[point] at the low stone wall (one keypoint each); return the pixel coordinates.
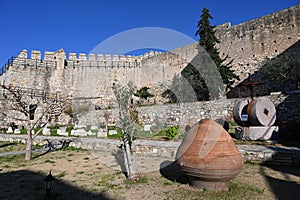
(251, 153)
(287, 109)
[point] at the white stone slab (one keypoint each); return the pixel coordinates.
(62, 131)
(102, 134)
(46, 131)
(256, 132)
(112, 132)
(91, 133)
(79, 132)
(147, 127)
(94, 127)
(9, 130)
(17, 131)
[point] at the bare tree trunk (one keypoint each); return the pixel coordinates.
(106, 129)
(106, 116)
(126, 160)
(129, 158)
(28, 155)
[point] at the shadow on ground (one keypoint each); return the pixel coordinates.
(7, 145)
(283, 189)
(170, 170)
(27, 185)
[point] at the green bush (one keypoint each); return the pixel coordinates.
(168, 133)
(143, 93)
(23, 131)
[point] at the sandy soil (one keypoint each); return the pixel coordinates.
(98, 175)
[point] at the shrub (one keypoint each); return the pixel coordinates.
(168, 133)
(143, 93)
(23, 131)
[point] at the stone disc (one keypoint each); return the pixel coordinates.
(239, 109)
(261, 112)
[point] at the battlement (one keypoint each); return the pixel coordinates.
(50, 59)
(51, 56)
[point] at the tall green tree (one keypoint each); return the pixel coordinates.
(199, 76)
(208, 41)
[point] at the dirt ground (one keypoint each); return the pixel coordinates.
(97, 175)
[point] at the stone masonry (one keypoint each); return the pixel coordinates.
(92, 76)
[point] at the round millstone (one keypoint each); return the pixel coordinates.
(261, 112)
(239, 109)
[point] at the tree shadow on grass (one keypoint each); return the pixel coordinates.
(283, 188)
(7, 145)
(170, 170)
(119, 156)
(28, 185)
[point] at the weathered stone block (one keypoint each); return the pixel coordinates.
(256, 133)
(9, 130)
(62, 131)
(79, 132)
(46, 131)
(112, 132)
(102, 133)
(17, 131)
(147, 127)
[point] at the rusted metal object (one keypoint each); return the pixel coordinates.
(251, 84)
(208, 156)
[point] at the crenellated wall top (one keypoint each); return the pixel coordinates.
(52, 56)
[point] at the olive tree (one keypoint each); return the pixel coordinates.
(128, 122)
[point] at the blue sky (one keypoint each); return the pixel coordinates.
(79, 26)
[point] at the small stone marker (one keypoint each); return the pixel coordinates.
(62, 131)
(9, 130)
(112, 132)
(46, 131)
(147, 127)
(79, 132)
(102, 133)
(17, 131)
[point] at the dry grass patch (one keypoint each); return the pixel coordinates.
(80, 175)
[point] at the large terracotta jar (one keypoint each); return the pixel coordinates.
(208, 156)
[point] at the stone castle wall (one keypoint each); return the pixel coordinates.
(251, 42)
(91, 77)
(94, 76)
